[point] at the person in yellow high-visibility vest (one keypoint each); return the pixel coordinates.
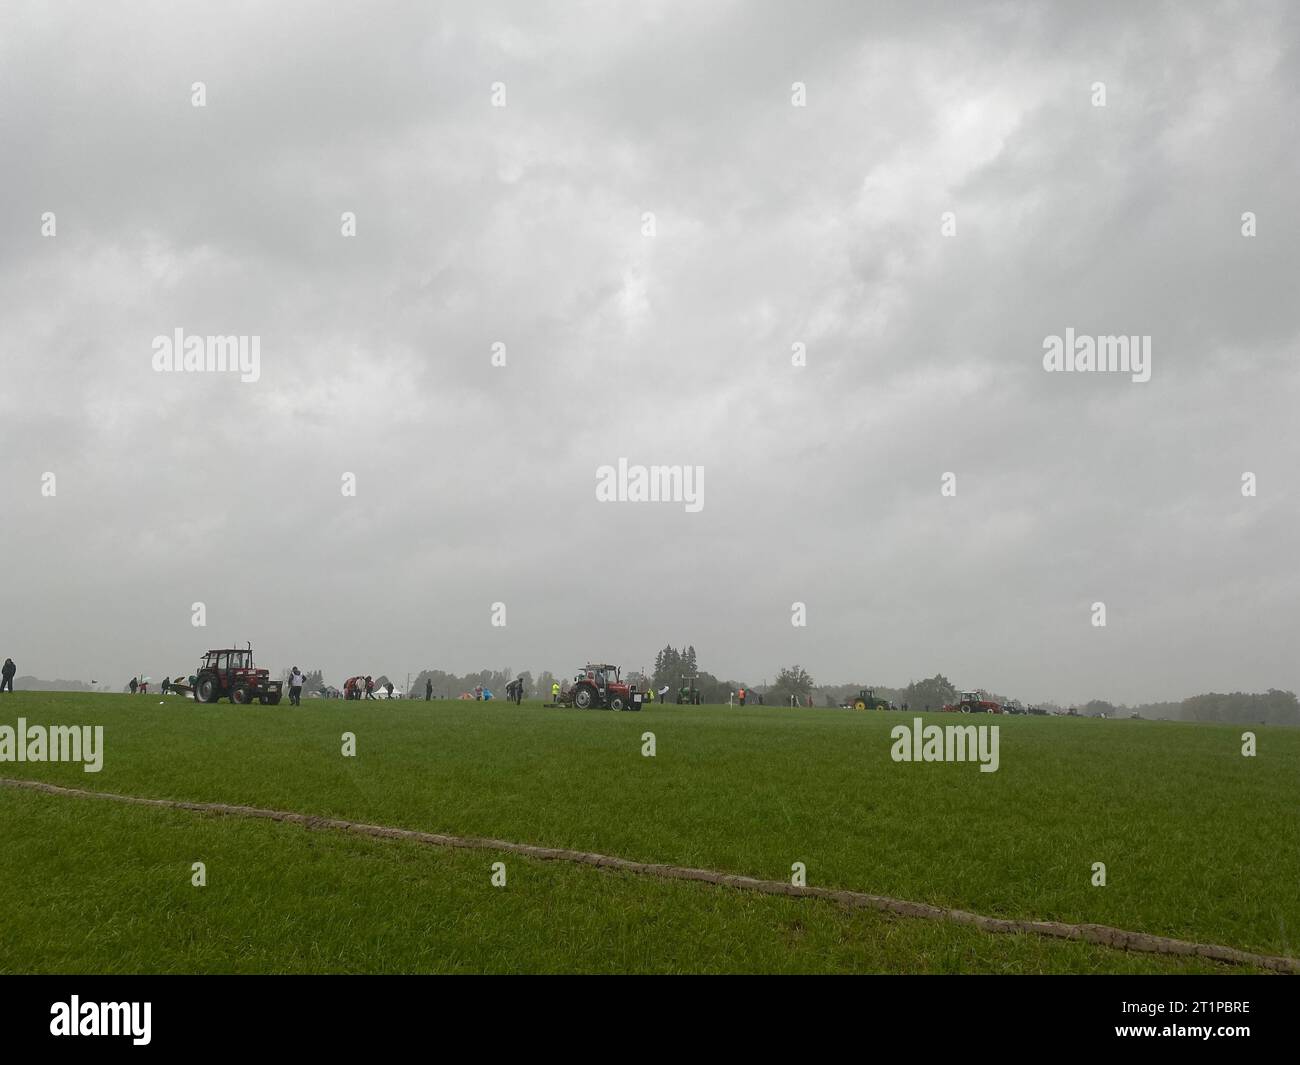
(555, 691)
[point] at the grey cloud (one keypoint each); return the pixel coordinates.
(775, 225)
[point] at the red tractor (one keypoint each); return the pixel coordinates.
(977, 702)
(230, 672)
(599, 686)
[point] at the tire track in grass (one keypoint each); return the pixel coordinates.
(1100, 935)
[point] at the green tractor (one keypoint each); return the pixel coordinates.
(688, 694)
(866, 700)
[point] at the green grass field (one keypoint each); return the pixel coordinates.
(1199, 842)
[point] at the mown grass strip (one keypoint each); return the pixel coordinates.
(1100, 935)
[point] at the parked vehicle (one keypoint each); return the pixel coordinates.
(976, 702)
(689, 695)
(599, 686)
(866, 699)
(230, 673)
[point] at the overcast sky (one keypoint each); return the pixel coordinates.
(774, 225)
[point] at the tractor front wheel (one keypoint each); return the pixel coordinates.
(240, 695)
(271, 700)
(206, 691)
(616, 703)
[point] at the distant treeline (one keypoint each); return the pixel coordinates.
(1274, 707)
(451, 685)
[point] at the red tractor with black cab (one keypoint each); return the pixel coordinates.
(976, 702)
(229, 672)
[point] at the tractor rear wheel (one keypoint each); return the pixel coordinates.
(860, 705)
(239, 694)
(206, 690)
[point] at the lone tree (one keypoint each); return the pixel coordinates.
(931, 694)
(792, 680)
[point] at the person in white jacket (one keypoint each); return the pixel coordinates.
(295, 687)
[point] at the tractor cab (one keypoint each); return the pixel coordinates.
(602, 675)
(224, 662)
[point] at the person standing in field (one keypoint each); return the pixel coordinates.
(428, 688)
(7, 676)
(295, 687)
(741, 695)
(555, 691)
(389, 688)
(370, 687)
